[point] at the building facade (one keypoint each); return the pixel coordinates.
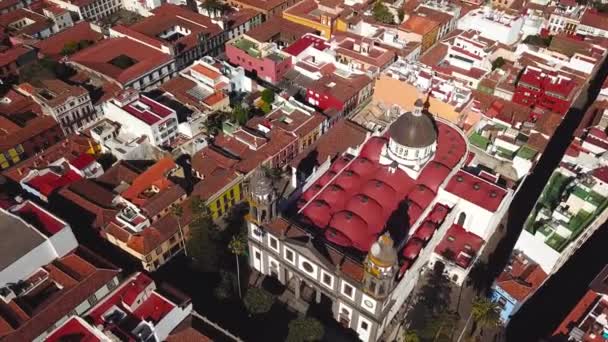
(338, 250)
(70, 105)
(143, 116)
(263, 59)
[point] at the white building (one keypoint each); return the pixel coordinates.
(572, 206)
(90, 10)
(142, 116)
(32, 237)
(494, 24)
(70, 105)
(593, 24)
(135, 310)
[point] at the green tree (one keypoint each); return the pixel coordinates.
(401, 14)
(238, 247)
(498, 63)
(304, 329)
(178, 211)
(442, 326)
(266, 107)
(240, 114)
(258, 301)
(410, 336)
(216, 5)
(85, 43)
(203, 244)
(198, 207)
(382, 13)
(225, 288)
(268, 95)
(485, 314)
(538, 40)
(429, 305)
(69, 48)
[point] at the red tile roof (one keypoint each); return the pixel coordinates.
(155, 175)
(11, 55)
(335, 141)
(44, 221)
(594, 19)
(577, 313)
(522, 278)
(303, 43)
(354, 199)
(75, 326)
(186, 332)
(69, 148)
(168, 16)
(136, 300)
(77, 284)
(476, 190)
(36, 23)
(48, 181)
(152, 113)
(462, 245)
(278, 28)
(420, 24)
(98, 57)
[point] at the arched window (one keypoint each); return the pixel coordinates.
(461, 218)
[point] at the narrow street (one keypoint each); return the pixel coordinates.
(552, 301)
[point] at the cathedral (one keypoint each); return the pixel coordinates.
(364, 227)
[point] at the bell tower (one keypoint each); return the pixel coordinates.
(380, 267)
(262, 198)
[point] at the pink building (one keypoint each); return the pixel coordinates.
(264, 59)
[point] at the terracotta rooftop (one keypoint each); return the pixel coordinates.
(153, 236)
(335, 141)
(99, 58)
(36, 22)
(92, 198)
(462, 245)
(376, 56)
(187, 331)
(521, 278)
(275, 28)
(53, 45)
(70, 148)
(442, 17)
(595, 19)
(420, 24)
(71, 280)
(53, 92)
(21, 120)
(154, 177)
(434, 55)
(264, 5)
(342, 88)
(168, 16)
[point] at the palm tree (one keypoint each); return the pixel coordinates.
(238, 247)
(178, 212)
(485, 313)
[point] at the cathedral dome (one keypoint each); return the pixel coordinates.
(261, 184)
(414, 129)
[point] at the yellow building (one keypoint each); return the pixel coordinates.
(11, 157)
(427, 28)
(221, 202)
(311, 13)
